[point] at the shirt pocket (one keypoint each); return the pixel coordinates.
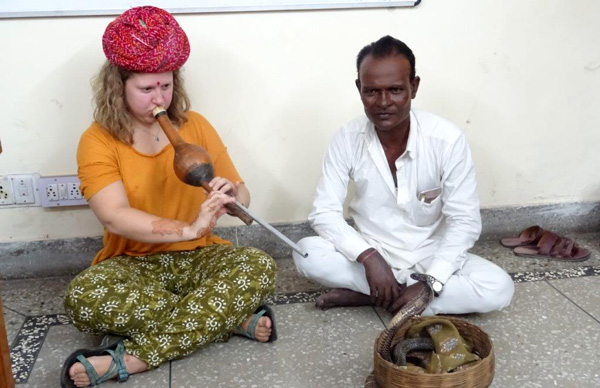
(426, 214)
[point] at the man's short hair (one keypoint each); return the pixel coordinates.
(386, 47)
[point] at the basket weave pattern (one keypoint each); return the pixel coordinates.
(479, 375)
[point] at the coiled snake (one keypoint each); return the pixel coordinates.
(412, 308)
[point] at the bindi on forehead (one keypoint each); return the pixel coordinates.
(157, 83)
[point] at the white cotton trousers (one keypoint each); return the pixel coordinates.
(478, 287)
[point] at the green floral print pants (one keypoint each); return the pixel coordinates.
(170, 304)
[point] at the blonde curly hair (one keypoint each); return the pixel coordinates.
(110, 108)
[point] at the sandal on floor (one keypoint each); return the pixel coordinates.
(111, 345)
(551, 246)
(260, 311)
(529, 236)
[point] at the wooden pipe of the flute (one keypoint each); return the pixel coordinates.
(192, 164)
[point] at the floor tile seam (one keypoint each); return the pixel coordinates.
(14, 311)
(572, 301)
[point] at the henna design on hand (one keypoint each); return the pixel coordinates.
(163, 227)
(203, 232)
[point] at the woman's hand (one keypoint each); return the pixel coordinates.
(224, 186)
(237, 190)
(210, 211)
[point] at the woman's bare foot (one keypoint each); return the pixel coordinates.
(342, 297)
(101, 363)
(263, 328)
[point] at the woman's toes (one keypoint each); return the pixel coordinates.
(263, 329)
(78, 374)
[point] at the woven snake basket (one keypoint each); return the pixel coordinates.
(479, 375)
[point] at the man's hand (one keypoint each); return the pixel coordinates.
(409, 294)
(384, 288)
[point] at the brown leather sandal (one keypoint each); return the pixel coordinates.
(529, 236)
(552, 246)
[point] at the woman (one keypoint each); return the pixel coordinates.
(162, 283)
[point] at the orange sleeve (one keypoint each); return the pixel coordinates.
(97, 161)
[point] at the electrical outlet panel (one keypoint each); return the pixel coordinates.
(23, 190)
(6, 192)
(58, 191)
(18, 190)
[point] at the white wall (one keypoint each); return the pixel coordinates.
(521, 78)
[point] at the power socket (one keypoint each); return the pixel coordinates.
(52, 192)
(6, 192)
(18, 190)
(58, 191)
(73, 191)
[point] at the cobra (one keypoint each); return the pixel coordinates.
(415, 307)
(412, 308)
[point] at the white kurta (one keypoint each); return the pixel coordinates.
(393, 220)
(410, 234)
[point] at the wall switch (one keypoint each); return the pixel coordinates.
(18, 190)
(23, 190)
(60, 191)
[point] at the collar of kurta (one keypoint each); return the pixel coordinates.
(411, 144)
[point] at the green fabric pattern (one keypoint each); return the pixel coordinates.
(171, 304)
(451, 350)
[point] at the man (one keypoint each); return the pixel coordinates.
(415, 207)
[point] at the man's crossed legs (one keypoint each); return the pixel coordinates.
(479, 286)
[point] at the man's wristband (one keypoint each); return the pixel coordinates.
(368, 255)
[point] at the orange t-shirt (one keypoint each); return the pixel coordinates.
(150, 182)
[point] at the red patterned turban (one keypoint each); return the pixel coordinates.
(146, 39)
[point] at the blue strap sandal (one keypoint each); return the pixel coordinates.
(263, 310)
(110, 344)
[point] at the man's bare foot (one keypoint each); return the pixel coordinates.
(342, 297)
(263, 328)
(101, 363)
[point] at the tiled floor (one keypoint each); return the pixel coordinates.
(548, 336)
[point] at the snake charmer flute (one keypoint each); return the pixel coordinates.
(193, 165)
